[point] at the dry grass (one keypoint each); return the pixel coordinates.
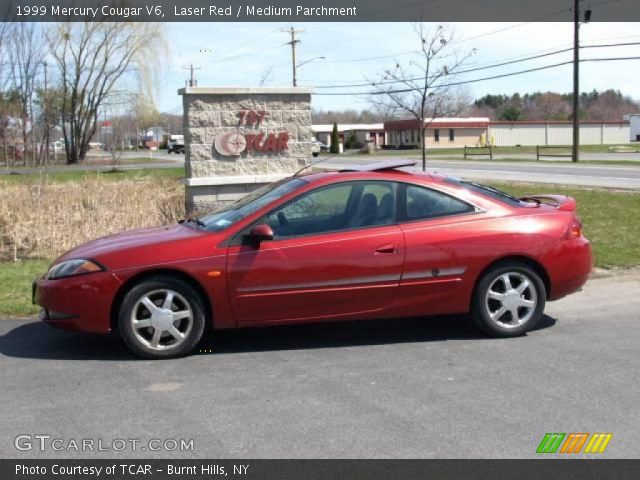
(42, 220)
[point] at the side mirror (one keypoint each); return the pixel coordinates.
(261, 232)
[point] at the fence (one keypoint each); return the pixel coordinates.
(478, 151)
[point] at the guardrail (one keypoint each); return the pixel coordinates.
(478, 151)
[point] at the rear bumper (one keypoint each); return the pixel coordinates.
(569, 265)
(81, 303)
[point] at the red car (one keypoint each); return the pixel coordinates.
(363, 243)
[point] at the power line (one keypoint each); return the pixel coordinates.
(464, 82)
(384, 82)
(475, 69)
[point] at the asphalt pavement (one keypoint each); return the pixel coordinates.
(419, 388)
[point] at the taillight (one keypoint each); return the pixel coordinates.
(575, 229)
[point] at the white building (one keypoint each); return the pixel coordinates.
(363, 133)
(547, 132)
(634, 127)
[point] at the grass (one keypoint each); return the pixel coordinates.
(78, 175)
(525, 149)
(609, 219)
(15, 287)
(533, 161)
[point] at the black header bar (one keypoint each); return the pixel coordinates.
(314, 11)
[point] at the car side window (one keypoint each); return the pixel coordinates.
(421, 202)
(333, 208)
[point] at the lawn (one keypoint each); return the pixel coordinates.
(507, 150)
(609, 217)
(15, 287)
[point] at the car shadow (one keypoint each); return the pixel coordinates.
(36, 340)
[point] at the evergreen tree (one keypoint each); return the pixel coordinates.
(335, 140)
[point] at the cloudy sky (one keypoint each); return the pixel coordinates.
(240, 54)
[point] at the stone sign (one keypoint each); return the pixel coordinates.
(238, 139)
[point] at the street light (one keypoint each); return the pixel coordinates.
(295, 67)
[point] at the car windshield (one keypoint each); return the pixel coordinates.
(487, 190)
(231, 213)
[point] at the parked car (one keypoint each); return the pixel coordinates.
(317, 146)
(175, 144)
(368, 242)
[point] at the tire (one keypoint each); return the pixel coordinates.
(315, 154)
(494, 312)
(144, 312)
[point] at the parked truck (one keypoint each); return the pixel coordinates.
(175, 144)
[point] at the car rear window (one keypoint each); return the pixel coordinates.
(486, 190)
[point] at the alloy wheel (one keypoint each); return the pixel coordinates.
(162, 319)
(511, 299)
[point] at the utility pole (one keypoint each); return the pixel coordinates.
(576, 81)
(293, 43)
(192, 82)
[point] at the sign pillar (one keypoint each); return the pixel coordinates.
(238, 139)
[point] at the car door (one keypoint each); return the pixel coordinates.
(439, 246)
(337, 252)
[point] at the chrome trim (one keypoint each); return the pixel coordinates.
(434, 273)
(328, 283)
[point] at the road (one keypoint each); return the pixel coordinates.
(586, 175)
(419, 388)
(610, 176)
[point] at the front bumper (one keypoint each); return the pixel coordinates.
(81, 303)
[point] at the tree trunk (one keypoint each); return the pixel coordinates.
(423, 142)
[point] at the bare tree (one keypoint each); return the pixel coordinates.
(265, 75)
(91, 58)
(422, 88)
(26, 54)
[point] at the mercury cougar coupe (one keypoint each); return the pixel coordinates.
(367, 242)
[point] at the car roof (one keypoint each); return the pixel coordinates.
(438, 181)
(387, 174)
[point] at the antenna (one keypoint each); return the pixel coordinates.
(315, 163)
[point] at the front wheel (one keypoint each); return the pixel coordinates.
(161, 317)
(509, 300)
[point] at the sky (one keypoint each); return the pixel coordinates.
(240, 54)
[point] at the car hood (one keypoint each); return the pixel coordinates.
(146, 246)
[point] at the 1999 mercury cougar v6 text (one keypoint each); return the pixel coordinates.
(368, 242)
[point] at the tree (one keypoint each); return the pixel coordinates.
(91, 58)
(26, 55)
(511, 114)
(335, 140)
(422, 88)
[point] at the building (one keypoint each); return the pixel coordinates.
(547, 132)
(360, 132)
(441, 132)
(634, 127)
(458, 132)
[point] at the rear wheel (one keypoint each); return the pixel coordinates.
(509, 300)
(161, 317)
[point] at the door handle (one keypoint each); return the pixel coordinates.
(390, 248)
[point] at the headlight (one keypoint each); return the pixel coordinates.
(70, 268)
